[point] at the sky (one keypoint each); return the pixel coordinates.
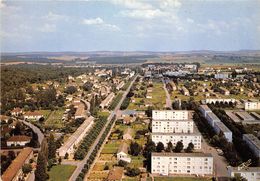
(129, 25)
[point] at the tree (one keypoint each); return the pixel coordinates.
(52, 147)
(135, 149)
(150, 147)
(132, 172)
(27, 168)
(70, 90)
(190, 147)
(179, 147)
(159, 147)
(87, 86)
(169, 147)
(40, 172)
(122, 163)
(66, 155)
(238, 178)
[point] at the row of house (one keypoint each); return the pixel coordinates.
(14, 171)
(71, 144)
(106, 102)
(215, 122)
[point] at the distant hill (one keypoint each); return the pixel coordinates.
(119, 57)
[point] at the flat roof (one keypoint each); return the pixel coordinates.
(205, 107)
(254, 140)
(245, 116)
(256, 115)
(247, 169)
(173, 120)
(213, 116)
(232, 116)
(172, 154)
(222, 127)
(179, 134)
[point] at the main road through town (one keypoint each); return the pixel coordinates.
(81, 164)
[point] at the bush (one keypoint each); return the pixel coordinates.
(132, 172)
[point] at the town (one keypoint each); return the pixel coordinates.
(130, 90)
(154, 122)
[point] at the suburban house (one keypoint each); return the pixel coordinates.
(14, 171)
(122, 153)
(16, 111)
(33, 115)
(18, 140)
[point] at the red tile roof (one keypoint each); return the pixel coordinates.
(16, 164)
(19, 138)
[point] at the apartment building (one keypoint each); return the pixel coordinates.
(172, 126)
(220, 127)
(200, 164)
(252, 105)
(186, 138)
(215, 122)
(253, 142)
(171, 115)
(249, 173)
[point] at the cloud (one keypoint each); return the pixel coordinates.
(165, 4)
(99, 22)
(48, 28)
(132, 4)
(94, 21)
(55, 17)
(144, 14)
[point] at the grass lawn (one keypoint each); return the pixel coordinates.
(103, 113)
(158, 96)
(179, 179)
(54, 119)
(45, 113)
(61, 172)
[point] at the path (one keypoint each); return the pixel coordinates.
(82, 163)
(35, 130)
(168, 97)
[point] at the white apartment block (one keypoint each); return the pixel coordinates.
(220, 127)
(209, 101)
(204, 109)
(253, 142)
(170, 115)
(172, 126)
(215, 122)
(182, 164)
(186, 138)
(222, 76)
(212, 118)
(252, 105)
(249, 173)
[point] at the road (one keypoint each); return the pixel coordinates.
(35, 130)
(220, 162)
(168, 97)
(82, 163)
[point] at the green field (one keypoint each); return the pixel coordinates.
(179, 179)
(54, 119)
(61, 172)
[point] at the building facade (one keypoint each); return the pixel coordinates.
(200, 164)
(253, 142)
(185, 138)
